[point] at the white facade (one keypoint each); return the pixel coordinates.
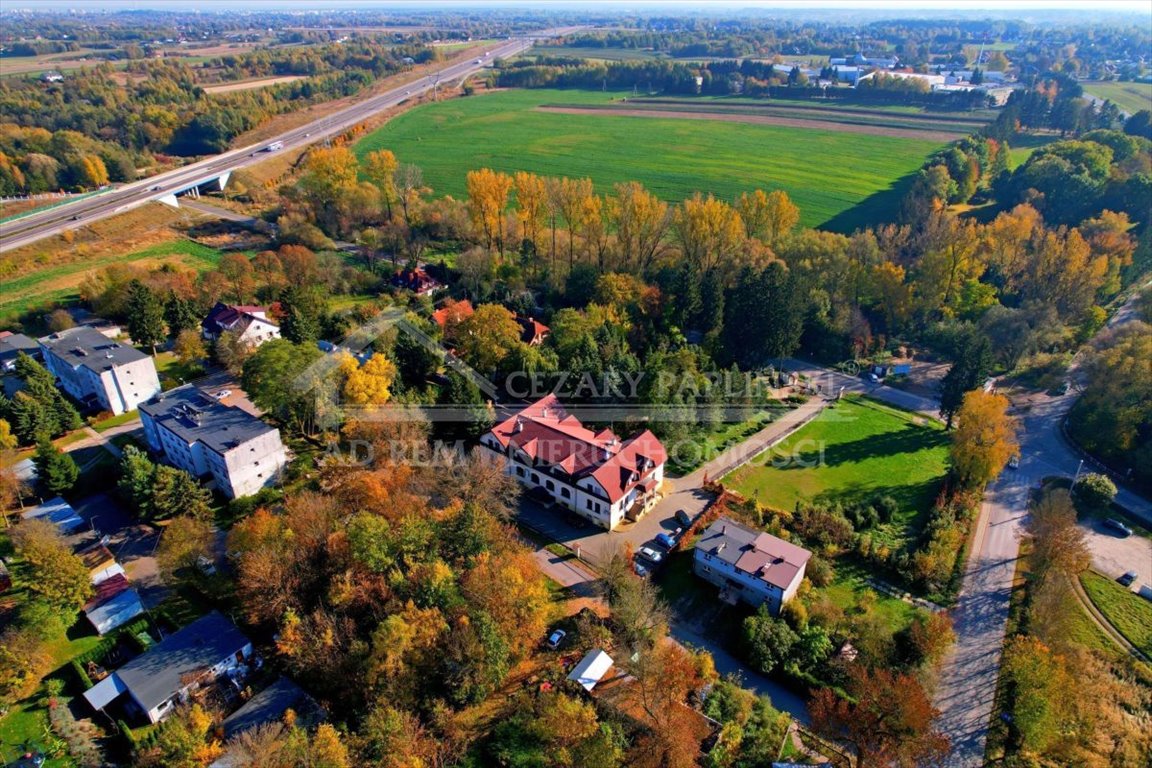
(749, 588)
(105, 374)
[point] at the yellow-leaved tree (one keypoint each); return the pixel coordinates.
(370, 383)
(984, 439)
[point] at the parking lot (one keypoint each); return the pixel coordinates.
(592, 543)
(132, 543)
(1114, 554)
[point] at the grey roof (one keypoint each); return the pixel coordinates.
(155, 676)
(15, 343)
(754, 552)
(195, 417)
(269, 706)
(87, 347)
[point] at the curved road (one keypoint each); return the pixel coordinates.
(36, 226)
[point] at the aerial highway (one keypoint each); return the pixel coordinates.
(115, 200)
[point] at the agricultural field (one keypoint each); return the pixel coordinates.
(595, 54)
(1129, 613)
(840, 179)
(1130, 97)
(248, 85)
(868, 450)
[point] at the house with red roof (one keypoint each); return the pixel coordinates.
(249, 324)
(453, 313)
(750, 565)
(593, 474)
(532, 331)
(416, 280)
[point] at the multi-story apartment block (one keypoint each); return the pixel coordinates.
(99, 372)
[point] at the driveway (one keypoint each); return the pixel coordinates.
(831, 382)
(221, 380)
(133, 543)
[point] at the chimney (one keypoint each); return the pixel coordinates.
(724, 528)
(720, 547)
(519, 425)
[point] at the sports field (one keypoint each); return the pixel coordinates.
(840, 178)
(1130, 97)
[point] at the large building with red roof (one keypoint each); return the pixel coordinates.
(593, 474)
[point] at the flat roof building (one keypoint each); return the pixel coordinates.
(100, 373)
(204, 437)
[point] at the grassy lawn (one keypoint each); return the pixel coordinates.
(1128, 612)
(173, 373)
(1130, 97)
(868, 450)
(1021, 147)
(115, 421)
(59, 283)
(850, 591)
(825, 172)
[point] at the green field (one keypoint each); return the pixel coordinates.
(869, 450)
(599, 54)
(55, 284)
(1130, 97)
(1128, 612)
(839, 180)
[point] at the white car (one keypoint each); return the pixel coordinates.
(650, 554)
(222, 394)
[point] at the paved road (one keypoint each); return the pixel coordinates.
(831, 382)
(36, 226)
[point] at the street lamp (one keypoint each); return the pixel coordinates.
(1076, 477)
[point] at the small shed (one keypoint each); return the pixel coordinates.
(100, 562)
(591, 669)
(114, 604)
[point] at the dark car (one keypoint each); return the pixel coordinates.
(1127, 579)
(1118, 526)
(683, 518)
(665, 541)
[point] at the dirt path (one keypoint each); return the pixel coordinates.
(247, 85)
(792, 122)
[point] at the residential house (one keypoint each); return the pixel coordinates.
(11, 345)
(58, 512)
(453, 313)
(270, 705)
(594, 474)
(249, 324)
(100, 373)
(206, 438)
(532, 331)
(416, 280)
(168, 673)
(52, 76)
(113, 604)
(750, 565)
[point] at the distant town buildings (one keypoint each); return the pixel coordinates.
(594, 474)
(749, 565)
(248, 323)
(204, 437)
(100, 373)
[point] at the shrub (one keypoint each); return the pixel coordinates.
(81, 675)
(886, 507)
(1096, 490)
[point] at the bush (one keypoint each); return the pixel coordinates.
(886, 507)
(79, 737)
(820, 571)
(1096, 490)
(81, 675)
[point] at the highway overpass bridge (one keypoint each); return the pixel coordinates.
(171, 196)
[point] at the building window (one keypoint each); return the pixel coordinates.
(535, 478)
(565, 493)
(588, 504)
(550, 485)
(520, 471)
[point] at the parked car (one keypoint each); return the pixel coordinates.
(683, 518)
(1118, 526)
(1014, 462)
(222, 394)
(665, 541)
(639, 569)
(556, 638)
(1127, 579)
(650, 554)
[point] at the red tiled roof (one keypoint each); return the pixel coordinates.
(108, 589)
(453, 310)
(228, 317)
(532, 331)
(549, 435)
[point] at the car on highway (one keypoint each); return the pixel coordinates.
(479, 61)
(1127, 579)
(155, 188)
(650, 554)
(556, 638)
(1118, 526)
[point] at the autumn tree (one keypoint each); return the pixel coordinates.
(488, 192)
(1058, 544)
(768, 217)
(370, 383)
(189, 347)
(889, 720)
(486, 337)
(231, 351)
(511, 590)
(184, 541)
(710, 232)
(984, 439)
(531, 203)
(641, 221)
(380, 168)
(57, 576)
